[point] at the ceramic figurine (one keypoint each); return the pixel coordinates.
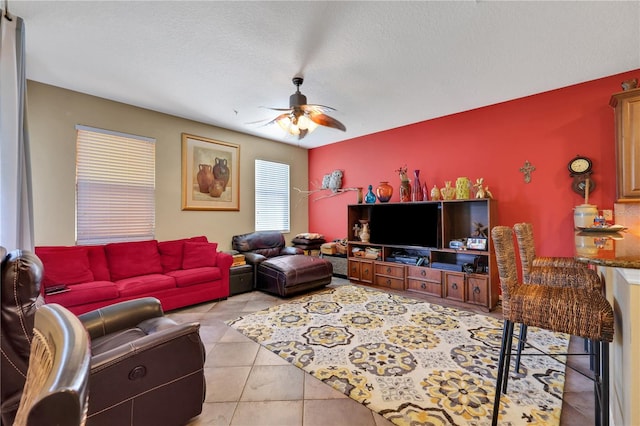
(447, 191)
(435, 193)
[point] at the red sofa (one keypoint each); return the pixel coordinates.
(178, 272)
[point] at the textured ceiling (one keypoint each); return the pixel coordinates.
(380, 64)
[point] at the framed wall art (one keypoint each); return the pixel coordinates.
(210, 174)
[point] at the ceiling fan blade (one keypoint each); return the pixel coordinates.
(309, 108)
(325, 120)
(279, 109)
(280, 117)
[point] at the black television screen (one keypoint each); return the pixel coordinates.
(407, 224)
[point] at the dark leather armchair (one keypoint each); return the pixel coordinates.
(56, 387)
(281, 270)
(259, 246)
(145, 368)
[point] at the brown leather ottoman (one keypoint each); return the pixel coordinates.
(289, 275)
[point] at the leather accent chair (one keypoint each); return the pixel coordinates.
(280, 270)
(56, 390)
(145, 368)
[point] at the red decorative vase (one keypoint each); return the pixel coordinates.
(416, 189)
(384, 191)
(204, 177)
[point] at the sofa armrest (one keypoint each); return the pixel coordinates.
(291, 250)
(120, 316)
(254, 258)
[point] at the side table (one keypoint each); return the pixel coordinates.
(339, 262)
(240, 279)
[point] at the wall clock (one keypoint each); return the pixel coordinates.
(580, 165)
(580, 171)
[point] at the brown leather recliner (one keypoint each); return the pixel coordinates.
(145, 368)
(56, 390)
(281, 270)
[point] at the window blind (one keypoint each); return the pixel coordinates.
(115, 187)
(271, 196)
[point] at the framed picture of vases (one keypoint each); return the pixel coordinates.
(210, 174)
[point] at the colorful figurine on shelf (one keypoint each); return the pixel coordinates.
(481, 190)
(435, 193)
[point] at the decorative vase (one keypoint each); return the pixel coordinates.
(204, 177)
(463, 185)
(416, 189)
(217, 188)
(425, 192)
(370, 197)
(384, 191)
(405, 191)
(360, 196)
(435, 193)
(221, 171)
(364, 232)
(447, 191)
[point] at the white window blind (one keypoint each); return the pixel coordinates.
(272, 196)
(115, 186)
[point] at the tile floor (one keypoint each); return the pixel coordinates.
(247, 385)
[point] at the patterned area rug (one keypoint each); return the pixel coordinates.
(413, 362)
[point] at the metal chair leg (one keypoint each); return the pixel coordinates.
(600, 351)
(507, 333)
(522, 339)
(505, 377)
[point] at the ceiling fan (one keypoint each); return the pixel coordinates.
(301, 118)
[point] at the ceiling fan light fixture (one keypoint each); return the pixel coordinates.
(305, 122)
(301, 118)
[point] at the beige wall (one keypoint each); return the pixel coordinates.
(52, 116)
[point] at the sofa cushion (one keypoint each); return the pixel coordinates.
(199, 255)
(82, 294)
(98, 263)
(188, 277)
(171, 252)
(64, 265)
(133, 259)
(144, 285)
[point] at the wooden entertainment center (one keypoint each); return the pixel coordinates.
(409, 249)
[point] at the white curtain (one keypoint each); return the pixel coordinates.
(16, 212)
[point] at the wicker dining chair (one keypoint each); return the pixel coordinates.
(580, 312)
(556, 271)
(536, 269)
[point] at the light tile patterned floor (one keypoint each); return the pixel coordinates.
(247, 385)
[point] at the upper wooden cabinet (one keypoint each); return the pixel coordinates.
(627, 118)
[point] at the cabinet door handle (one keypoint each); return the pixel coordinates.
(423, 286)
(454, 286)
(423, 273)
(388, 281)
(366, 271)
(388, 270)
(476, 290)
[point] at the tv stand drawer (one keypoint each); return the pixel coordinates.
(389, 282)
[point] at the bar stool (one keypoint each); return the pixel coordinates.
(580, 312)
(536, 269)
(555, 271)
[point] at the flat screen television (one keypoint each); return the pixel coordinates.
(406, 224)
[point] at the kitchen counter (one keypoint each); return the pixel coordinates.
(616, 257)
(616, 249)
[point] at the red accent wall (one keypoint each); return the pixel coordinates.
(493, 142)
